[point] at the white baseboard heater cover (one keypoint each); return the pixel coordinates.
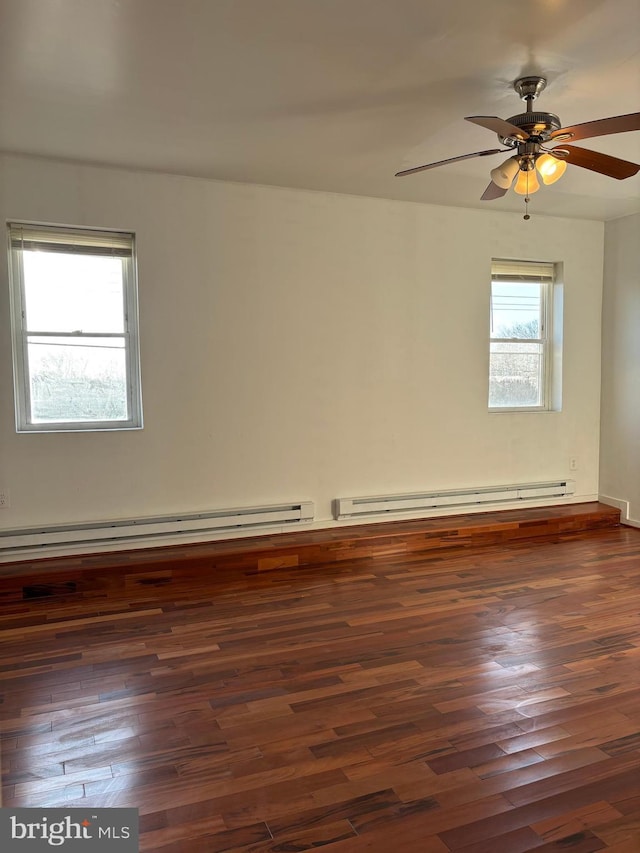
(380, 505)
(230, 521)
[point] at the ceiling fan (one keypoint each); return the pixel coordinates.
(528, 135)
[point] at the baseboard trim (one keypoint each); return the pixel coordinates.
(624, 507)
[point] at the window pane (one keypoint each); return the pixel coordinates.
(515, 309)
(77, 380)
(515, 375)
(73, 293)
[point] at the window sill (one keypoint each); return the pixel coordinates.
(521, 410)
(54, 428)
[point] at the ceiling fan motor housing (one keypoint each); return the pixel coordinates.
(540, 125)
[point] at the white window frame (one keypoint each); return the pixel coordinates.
(542, 273)
(92, 241)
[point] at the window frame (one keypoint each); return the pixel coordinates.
(78, 237)
(534, 272)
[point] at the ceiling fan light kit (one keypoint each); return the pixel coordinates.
(528, 134)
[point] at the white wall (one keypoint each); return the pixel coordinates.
(620, 450)
(301, 345)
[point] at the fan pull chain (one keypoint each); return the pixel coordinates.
(526, 198)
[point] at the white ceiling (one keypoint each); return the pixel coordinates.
(332, 95)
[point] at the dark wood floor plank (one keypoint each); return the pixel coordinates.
(581, 842)
(517, 841)
(573, 822)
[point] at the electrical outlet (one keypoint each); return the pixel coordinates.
(4, 498)
(573, 463)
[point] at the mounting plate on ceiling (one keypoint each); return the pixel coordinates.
(529, 87)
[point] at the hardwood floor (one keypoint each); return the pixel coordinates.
(484, 700)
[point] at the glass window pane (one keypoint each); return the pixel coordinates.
(515, 375)
(77, 379)
(516, 309)
(73, 293)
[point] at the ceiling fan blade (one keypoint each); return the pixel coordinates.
(492, 191)
(600, 127)
(450, 160)
(499, 126)
(597, 162)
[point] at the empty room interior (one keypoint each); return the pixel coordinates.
(320, 424)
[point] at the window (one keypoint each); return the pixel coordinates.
(75, 336)
(520, 335)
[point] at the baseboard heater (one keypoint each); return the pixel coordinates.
(426, 502)
(229, 521)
